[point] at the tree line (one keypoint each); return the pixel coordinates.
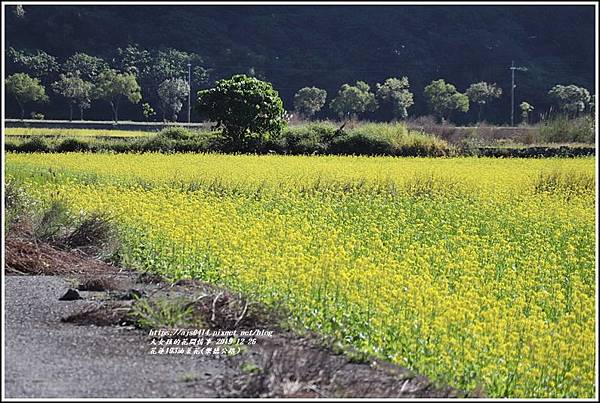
(443, 99)
(159, 79)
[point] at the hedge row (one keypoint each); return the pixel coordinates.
(311, 139)
(370, 139)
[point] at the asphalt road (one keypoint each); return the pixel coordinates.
(47, 358)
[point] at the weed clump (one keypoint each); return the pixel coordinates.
(162, 313)
(94, 233)
(91, 233)
(53, 223)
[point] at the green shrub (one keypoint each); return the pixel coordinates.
(561, 129)
(308, 139)
(11, 146)
(419, 145)
(314, 138)
(388, 139)
(361, 143)
(326, 131)
(116, 147)
(196, 142)
(176, 133)
(34, 145)
(191, 146)
(469, 146)
(208, 140)
(72, 145)
(154, 144)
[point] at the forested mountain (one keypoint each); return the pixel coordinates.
(326, 46)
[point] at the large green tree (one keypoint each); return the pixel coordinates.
(353, 100)
(309, 100)
(76, 90)
(443, 99)
(172, 63)
(247, 109)
(396, 92)
(172, 93)
(570, 98)
(113, 87)
(25, 89)
(37, 64)
(134, 60)
(483, 93)
(154, 67)
(85, 66)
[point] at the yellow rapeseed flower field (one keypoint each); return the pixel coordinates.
(475, 272)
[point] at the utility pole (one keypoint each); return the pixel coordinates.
(512, 91)
(189, 92)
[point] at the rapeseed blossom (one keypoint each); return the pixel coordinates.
(461, 269)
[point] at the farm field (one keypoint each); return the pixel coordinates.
(476, 272)
(34, 131)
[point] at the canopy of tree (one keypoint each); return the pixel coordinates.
(247, 109)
